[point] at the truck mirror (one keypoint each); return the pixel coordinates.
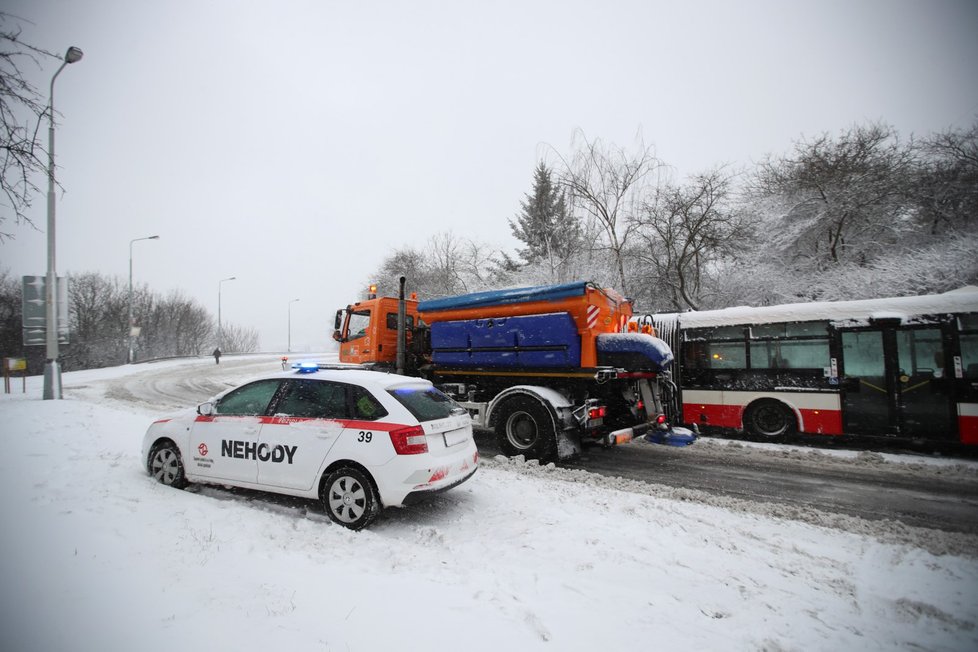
(337, 336)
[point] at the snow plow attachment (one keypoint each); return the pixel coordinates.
(671, 437)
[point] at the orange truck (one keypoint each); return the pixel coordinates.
(548, 368)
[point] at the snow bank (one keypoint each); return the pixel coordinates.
(96, 556)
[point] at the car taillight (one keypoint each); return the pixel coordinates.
(598, 412)
(661, 419)
(409, 441)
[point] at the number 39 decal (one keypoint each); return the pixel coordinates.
(365, 436)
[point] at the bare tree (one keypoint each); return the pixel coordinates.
(686, 229)
(21, 107)
(448, 265)
(175, 325)
(98, 317)
(11, 318)
(239, 340)
(609, 184)
(444, 252)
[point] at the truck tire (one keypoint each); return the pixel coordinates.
(524, 426)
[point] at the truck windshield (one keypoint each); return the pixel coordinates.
(357, 324)
(425, 403)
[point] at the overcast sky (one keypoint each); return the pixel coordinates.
(294, 144)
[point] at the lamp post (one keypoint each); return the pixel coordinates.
(220, 331)
(129, 359)
(290, 324)
(52, 366)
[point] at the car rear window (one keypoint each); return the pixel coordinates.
(425, 403)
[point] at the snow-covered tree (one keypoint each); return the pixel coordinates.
(947, 181)
(844, 199)
(551, 234)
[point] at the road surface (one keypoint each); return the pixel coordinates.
(907, 489)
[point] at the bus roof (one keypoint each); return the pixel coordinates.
(962, 300)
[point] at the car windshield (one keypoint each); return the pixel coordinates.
(425, 403)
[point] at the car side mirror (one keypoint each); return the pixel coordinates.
(206, 409)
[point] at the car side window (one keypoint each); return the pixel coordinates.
(365, 406)
(314, 399)
(250, 400)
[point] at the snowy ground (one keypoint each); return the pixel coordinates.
(96, 556)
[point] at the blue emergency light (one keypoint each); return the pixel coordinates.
(306, 367)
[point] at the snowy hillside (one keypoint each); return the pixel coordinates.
(96, 556)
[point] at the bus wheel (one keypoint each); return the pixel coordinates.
(769, 418)
(524, 427)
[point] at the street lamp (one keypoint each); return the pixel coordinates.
(290, 324)
(52, 367)
(220, 332)
(151, 237)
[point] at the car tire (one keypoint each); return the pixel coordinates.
(769, 419)
(524, 426)
(166, 465)
(349, 498)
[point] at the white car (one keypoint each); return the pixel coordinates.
(357, 440)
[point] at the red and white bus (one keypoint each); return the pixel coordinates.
(901, 367)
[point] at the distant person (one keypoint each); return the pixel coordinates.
(217, 356)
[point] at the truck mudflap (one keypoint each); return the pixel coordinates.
(653, 434)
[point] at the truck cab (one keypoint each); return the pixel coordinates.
(367, 330)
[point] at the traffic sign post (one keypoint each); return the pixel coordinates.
(10, 366)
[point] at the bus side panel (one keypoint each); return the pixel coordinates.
(706, 407)
(968, 422)
(819, 413)
(821, 422)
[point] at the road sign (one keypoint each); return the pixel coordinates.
(34, 310)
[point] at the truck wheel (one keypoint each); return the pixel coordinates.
(524, 426)
(769, 419)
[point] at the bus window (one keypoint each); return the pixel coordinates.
(764, 355)
(968, 322)
(969, 355)
(921, 352)
(727, 356)
(727, 333)
(863, 354)
(790, 354)
(695, 355)
(807, 329)
(790, 329)
(762, 331)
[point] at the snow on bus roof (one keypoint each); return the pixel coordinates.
(962, 300)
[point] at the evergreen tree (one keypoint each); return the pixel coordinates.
(551, 234)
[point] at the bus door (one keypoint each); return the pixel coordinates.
(893, 383)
